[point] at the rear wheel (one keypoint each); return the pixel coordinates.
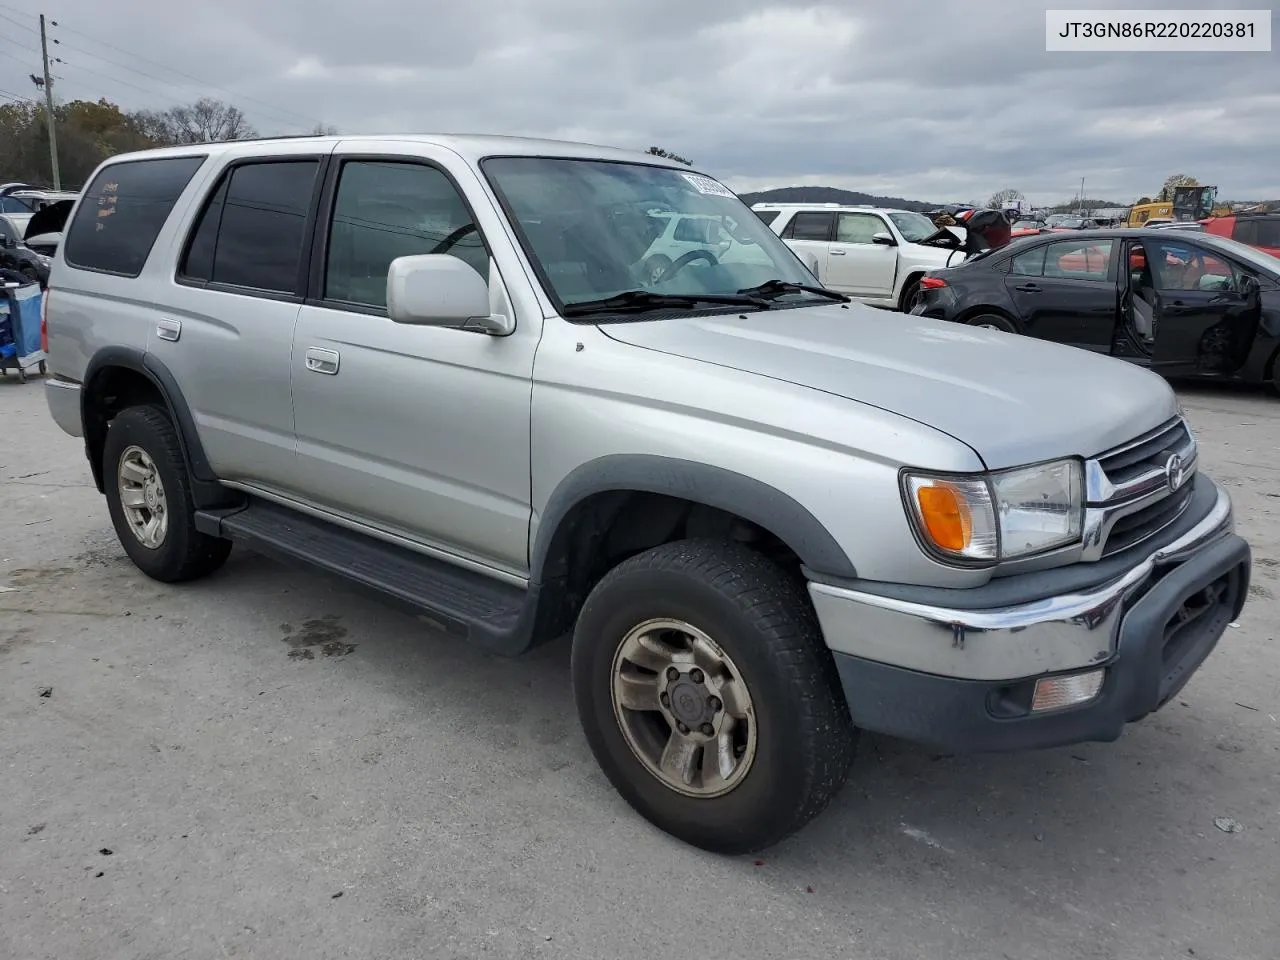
(708, 696)
(992, 321)
(149, 498)
(911, 294)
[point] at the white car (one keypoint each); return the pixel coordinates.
(693, 237)
(874, 254)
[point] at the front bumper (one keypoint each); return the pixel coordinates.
(963, 680)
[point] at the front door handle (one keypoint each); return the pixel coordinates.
(320, 360)
(1027, 288)
(837, 253)
(168, 329)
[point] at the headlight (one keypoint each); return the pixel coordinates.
(987, 518)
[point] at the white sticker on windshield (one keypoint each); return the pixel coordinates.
(707, 185)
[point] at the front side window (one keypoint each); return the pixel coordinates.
(123, 211)
(386, 210)
(858, 227)
(1175, 267)
(585, 226)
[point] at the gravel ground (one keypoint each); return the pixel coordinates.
(264, 765)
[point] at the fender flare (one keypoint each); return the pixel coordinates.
(206, 491)
(751, 499)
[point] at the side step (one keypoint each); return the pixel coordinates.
(497, 616)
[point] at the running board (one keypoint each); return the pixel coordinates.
(495, 615)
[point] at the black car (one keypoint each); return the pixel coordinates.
(1183, 304)
(29, 242)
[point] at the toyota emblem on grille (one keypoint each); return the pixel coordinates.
(1175, 472)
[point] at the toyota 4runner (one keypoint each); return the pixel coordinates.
(444, 369)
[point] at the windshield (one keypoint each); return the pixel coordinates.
(914, 227)
(595, 229)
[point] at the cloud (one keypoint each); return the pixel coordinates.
(917, 98)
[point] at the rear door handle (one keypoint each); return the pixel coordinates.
(320, 360)
(168, 329)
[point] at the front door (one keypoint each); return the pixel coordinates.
(1205, 318)
(856, 264)
(1066, 292)
(420, 431)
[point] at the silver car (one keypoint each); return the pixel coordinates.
(445, 369)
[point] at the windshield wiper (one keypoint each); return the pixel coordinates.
(636, 301)
(776, 288)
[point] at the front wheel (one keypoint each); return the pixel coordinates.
(911, 295)
(708, 696)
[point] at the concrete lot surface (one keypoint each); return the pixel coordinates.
(265, 765)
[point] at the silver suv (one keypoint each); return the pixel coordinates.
(444, 369)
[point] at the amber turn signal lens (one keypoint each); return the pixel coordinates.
(946, 516)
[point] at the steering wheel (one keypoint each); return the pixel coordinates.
(445, 245)
(684, 261)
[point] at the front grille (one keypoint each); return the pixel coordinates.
(1133, 528)
(1137, 489)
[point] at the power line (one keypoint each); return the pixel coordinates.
(14, 97)
(129, 53)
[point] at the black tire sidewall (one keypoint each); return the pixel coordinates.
(150, 429)
(771, 794)
(999, 322)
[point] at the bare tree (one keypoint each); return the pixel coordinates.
(668, 155)
(324, 130)
(1008, 197)
(208, 120)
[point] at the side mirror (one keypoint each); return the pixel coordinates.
(884, 239)
(439, 290)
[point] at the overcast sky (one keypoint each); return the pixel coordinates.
(929, 99)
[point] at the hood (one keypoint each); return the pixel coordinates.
(1014, 400)
(50, 219)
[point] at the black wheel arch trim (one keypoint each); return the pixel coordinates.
(206, 491)
(751, 499)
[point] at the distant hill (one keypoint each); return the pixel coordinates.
(833, 195)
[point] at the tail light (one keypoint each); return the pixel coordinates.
(932, 283)
(44, 319)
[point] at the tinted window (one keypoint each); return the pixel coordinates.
(1029, 263)
(858, 227)
(810, 226)
(122, 213)
(767, 216)
(264, 218)
(198, 262)
(1078, 259)
(1263, 232)
(389, 210)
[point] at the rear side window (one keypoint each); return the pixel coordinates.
(1029, 263)
(123, 211)
(251, 231)
(810, 226)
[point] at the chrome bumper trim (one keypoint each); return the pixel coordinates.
(1066, 632)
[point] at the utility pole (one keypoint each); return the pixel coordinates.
(48, 104)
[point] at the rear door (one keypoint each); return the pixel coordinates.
(856, 264)
(1066, 291)
(1204, 323)
(809, 234)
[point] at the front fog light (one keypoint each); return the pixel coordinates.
(1054, 693)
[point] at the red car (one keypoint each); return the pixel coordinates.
(1261, 230)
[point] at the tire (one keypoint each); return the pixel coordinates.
(655, 267)
(910, 295)
(992, 321)
(792, 753)
(145, 435)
